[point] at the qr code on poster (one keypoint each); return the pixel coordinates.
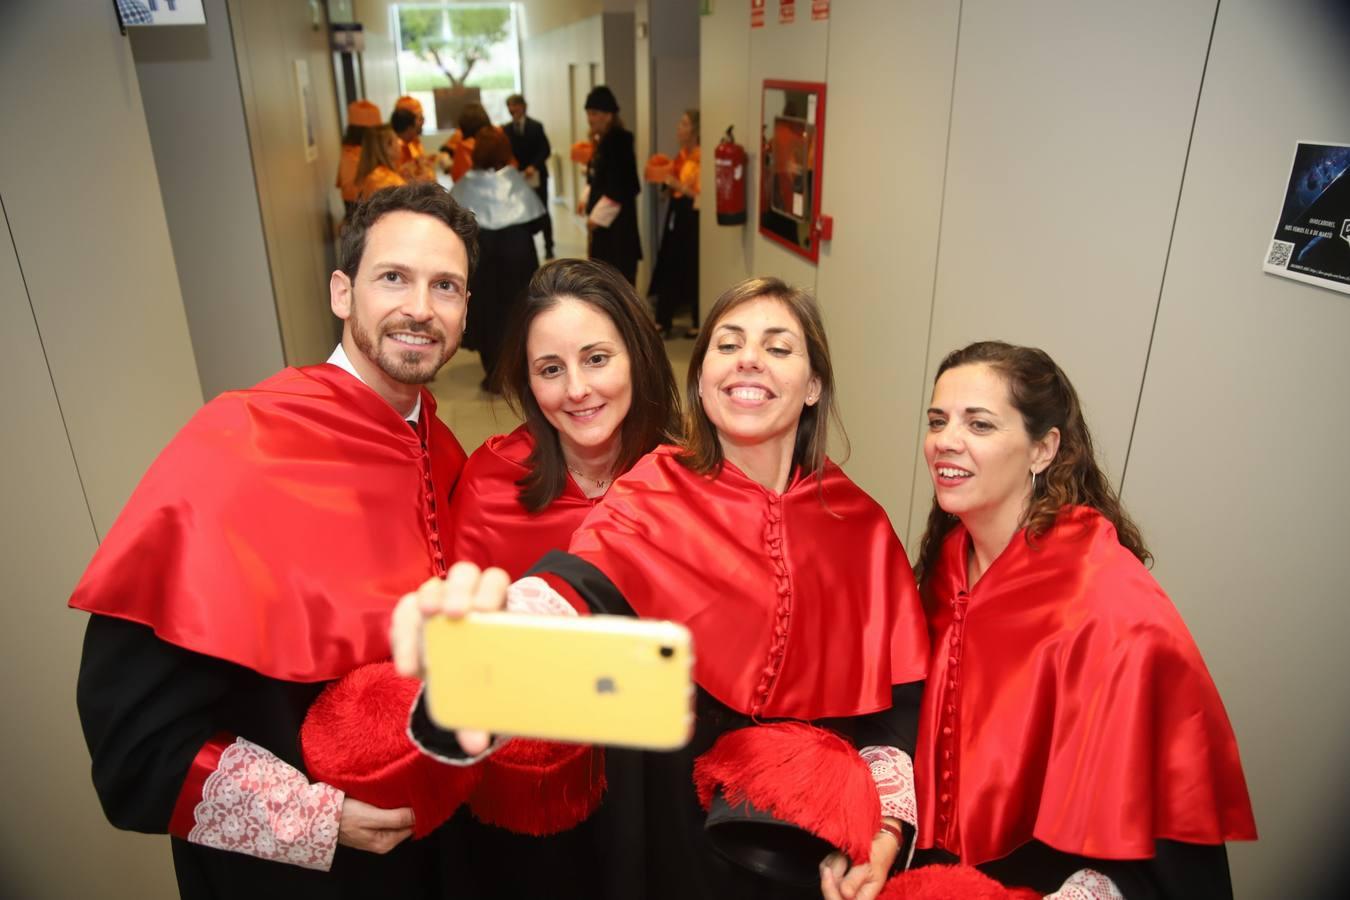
(1280, 251)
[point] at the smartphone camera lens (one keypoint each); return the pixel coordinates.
(667, 652)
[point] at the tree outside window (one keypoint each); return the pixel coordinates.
(451, 54)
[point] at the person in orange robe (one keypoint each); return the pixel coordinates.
(413, 163)
(361, 114)
(675, 278)
(377, 169)
(1071, 740)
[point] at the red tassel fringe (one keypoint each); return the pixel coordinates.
(540, 787)
(355, 737)
(801, 774)
(948, 883)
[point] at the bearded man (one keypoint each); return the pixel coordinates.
(260, 558)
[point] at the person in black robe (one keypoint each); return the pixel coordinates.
(612, 177)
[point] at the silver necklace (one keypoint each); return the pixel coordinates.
(598, 482)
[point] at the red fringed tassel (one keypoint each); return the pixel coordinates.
(355, 737)
(801, 774)
(948, 883)
(539, 787)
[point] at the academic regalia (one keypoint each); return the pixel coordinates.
(675, 279)
(489, 527)
(1069, 722)
(506, 209)
(802, 607)
(612, 172)
(346, 175)
(413, 162)
(259, 558)
(377, 179)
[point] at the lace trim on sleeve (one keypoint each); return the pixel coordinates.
(534, 595)
(1087, 884)
(257, 804)
(893, 771)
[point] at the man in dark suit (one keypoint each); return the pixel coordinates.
(530, 147)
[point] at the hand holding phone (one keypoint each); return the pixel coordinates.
(608, 680)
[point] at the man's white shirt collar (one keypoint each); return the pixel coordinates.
(340, 359)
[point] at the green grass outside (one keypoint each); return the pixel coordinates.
(425, 81)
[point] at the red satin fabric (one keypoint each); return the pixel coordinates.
(489, 527)
(1067, 702)
(799, 609)
(280, 526)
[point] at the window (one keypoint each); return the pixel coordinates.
(450, 54)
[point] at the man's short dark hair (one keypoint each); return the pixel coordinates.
(514, 99)
(425, 197)
(402, 120)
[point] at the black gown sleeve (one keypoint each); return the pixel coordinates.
(146, 708)
(615, 172)
(1177, 870)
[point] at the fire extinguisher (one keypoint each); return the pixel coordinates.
(729, 161)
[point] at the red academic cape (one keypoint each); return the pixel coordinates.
(1067, 703)
(278, 529)
(802, 604)
(489, 527)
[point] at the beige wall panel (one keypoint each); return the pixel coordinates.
(1236, 473)
(117, 379)
(882, 182)
(295, 194)
(46, 537)
(189, 82)
(95, 248)
(726, 252)
(1069, 130)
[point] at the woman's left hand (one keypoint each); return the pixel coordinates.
(861, 882)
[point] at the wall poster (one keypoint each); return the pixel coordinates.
(1312, 237)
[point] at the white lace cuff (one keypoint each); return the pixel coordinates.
(534, 595)
(893, 772)
(1087, 884)
(255, 803)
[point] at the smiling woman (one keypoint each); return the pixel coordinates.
(796, 589)
(1071, 738)
(586, 368)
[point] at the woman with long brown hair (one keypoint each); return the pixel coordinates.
(584, 366)
(378, 168)
(803, 611)
(1071, 736)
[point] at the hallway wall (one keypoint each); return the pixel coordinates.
(100, 373)
(1102, 181)
(189, 82)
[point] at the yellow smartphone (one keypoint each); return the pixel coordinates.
(609, 680)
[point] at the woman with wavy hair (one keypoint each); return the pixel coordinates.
(1071, 738)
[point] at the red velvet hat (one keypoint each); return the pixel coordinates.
(355, 737)
(539, 787)
(782, 796)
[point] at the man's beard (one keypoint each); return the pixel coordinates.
(405, 367)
